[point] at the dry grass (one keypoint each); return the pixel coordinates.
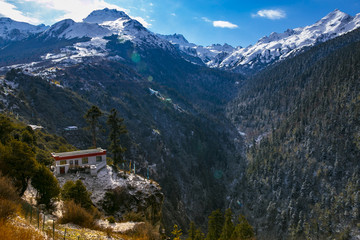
(8, 209)
(9, 231)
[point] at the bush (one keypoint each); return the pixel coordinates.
(133, 217)
(77, 192)
(111, 219)
(74, 213)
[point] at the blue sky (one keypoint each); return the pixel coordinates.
(204, 22)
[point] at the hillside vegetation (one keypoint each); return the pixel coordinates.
(304, 174)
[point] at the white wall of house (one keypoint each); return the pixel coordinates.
(86, 161)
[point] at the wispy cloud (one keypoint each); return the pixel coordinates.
(79, 9)
(9, 10)
(173, 14)
(224, 24)
(270, 14)
(206, 19)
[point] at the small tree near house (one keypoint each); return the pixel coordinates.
(117, 128)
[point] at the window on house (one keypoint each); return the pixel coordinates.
(62, 162)
(84, 160)
(98, 159)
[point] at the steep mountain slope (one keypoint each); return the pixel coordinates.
(304, 174)
(269, 49)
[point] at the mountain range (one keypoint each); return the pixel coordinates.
(105, 23)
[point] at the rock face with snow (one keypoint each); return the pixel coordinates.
(118, 193)
(276, 46)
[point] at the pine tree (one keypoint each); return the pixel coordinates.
(192, 231)
(199, 235)
(243, 230)
(92, 117)
(116, 129)
(228, 228)
(215, 225)
(176, 232)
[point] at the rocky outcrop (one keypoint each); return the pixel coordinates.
(121, 194)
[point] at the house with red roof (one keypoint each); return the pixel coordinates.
(91, 161)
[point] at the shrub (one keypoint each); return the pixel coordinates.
(74, 213)
(111, 219)
(133, 217)
(77, 192)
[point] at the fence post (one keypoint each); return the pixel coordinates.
(53, 229)
(38, 215)
(44, 222)
(31, 214)
(65, 234)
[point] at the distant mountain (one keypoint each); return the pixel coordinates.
(249, 60)
(11, 30)
(206, 54)
(269, 49)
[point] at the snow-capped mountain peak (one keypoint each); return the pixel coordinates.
(69, 29)
(14, 30)
(105, 15)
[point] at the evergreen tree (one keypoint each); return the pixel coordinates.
(199, 235)
(17, 161)
(243, 230)
(215, 225)
(92, 117)
(192, 231)
(116, 129)
(228, 228)
(6, 127)
(176, 232)
(46, 185)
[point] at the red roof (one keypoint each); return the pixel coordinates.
(79, 154)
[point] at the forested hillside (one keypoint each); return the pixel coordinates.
(303, 177)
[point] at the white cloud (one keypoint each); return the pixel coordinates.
(9, 10)
(224, 24)
(79, 9)
(142, 21)
(270, 14)
(173, 14)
